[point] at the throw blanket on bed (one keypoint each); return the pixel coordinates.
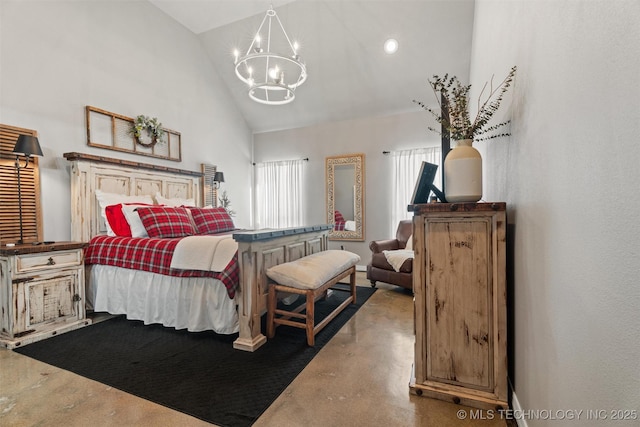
(397, 258)
(208, 253)
(153, 255)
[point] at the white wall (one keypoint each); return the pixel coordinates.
(569, 174)
(125, 57)
(370, 136)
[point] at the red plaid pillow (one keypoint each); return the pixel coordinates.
(166, 221)
(211, 220)
(117, 220)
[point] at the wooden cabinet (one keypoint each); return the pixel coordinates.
(459, 283)
(41, 291)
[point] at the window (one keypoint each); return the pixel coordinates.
(279, 199)
(406, 166)
(29, 191)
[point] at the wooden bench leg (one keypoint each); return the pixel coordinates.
(310, 318)
(353, 287)
(271, 311)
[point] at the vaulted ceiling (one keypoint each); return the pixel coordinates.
(341, 42)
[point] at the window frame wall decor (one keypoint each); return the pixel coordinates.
(112, 131)
(32, 229)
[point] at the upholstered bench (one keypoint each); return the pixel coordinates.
(311, 276)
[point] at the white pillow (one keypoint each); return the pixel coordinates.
(135, 223)
(409, 246)
(311, 271)
(174, 201)
(107, 199)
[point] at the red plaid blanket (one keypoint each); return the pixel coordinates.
(153, 255)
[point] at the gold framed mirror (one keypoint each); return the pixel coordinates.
(345, 196)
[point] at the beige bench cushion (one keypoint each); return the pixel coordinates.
(312, 271)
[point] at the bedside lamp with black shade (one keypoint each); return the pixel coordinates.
(217, 179)
(27, 146)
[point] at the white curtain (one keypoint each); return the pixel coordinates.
(279, 198)
(406, 166)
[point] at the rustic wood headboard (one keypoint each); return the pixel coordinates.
(90, 173)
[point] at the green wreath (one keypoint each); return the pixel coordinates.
(153, 128)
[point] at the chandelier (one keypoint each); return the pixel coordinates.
(271, 68)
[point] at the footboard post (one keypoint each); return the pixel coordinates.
(250, 337)
(257, 251)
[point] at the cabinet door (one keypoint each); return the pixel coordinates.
(459, 302)
(46, 301)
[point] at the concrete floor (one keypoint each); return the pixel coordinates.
(360, 378)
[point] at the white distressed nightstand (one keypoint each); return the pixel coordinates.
(41, 291)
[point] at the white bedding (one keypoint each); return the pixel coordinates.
(208, 253)
(192, 303)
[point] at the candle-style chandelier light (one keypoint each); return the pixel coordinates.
(271, 68)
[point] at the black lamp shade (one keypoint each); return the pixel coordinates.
(218, 177)
(28, 145)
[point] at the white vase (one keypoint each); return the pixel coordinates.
(463, 173)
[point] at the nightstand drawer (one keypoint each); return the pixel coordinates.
(35, 262)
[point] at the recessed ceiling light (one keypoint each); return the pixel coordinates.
(391, 46)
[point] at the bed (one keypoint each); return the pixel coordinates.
(228, 301)
(341, 224)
